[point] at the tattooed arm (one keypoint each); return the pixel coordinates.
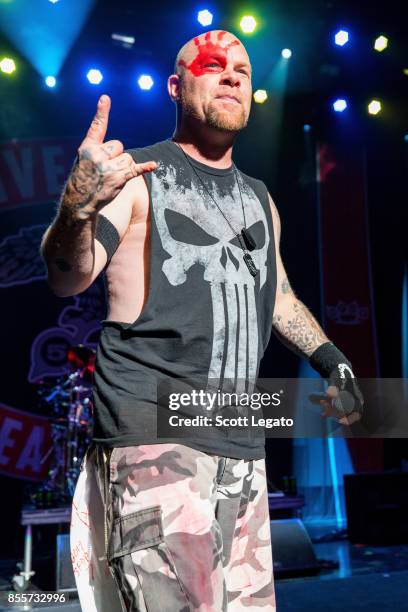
(293, 323)
(73, 256)
(103, 177)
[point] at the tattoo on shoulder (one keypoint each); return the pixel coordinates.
(63, 265)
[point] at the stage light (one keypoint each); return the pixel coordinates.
(307, 127)
(44, 34)
(145, 82)
(94, 76)
(123, 39)
(381, 43)
(53, 1)
(50, 81)
(340, 105)
(406, 138)
(341, 38)
(286, 53)
(260, 96)
(248, 24)
(374, 107)
(7, 65)
(205, 17)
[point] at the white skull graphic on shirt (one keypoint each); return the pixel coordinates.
(213, 244)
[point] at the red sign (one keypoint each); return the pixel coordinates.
(25, 440)
(34, 171)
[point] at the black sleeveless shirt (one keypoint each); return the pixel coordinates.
(205, 315)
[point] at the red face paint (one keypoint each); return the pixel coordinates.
(210, 57)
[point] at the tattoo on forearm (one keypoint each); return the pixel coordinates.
(68, 244)
(299, 331)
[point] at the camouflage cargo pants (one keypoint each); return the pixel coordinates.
(167, 528)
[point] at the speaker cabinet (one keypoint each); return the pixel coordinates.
(292, 549)
(64, 576)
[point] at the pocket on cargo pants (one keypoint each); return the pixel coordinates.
(142, 564)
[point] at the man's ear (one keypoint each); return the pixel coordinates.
(173, 87)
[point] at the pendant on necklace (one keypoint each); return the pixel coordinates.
(247, 238)
(250, 264)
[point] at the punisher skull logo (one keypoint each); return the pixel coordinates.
(192, 231)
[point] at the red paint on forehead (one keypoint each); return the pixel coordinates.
(208, 51)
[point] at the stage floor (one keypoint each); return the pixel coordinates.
(371, 578)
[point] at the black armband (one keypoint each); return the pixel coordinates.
(107, 234)
(331, 363)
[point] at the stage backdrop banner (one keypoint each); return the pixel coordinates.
(38, 327)
(348, 304)
(33, 171)
(25, 441)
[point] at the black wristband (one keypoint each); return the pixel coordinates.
(107, 234)
(332, 364)
(326, 358)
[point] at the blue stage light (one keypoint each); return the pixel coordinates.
(340, 105)
(341, 38)
(50, 81)
(307, 127)
(205, 17)
(94, 76)
(44, 35)
(286, 53)
(145, 82)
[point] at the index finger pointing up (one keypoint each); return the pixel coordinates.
(99, 125)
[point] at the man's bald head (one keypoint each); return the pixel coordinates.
(212, 81)
(214, 38)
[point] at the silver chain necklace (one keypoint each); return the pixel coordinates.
(246, 241)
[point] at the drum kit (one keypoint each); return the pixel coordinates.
(68, 405)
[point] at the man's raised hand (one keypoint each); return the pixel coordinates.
(101, 169)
